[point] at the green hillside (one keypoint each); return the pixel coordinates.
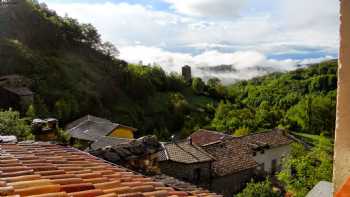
(303, 100)
(75, 73)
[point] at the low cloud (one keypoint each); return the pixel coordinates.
(245, 64)
(214, 32)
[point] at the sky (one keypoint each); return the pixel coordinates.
(249, 34)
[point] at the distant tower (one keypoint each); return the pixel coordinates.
(186, 73)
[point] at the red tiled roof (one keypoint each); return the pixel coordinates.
(44, 170)
(202, 137)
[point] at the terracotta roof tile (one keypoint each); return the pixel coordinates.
(44, 170)
(202, 137)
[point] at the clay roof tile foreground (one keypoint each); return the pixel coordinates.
(46, 170)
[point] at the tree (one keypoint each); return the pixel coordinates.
(213, 82)
(303, 169)
(12, 124)
(198, 85)
(314, 114)
(259, 189)
(109, 49)
(31, 112)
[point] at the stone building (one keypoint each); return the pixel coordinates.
(239, 159)
(15, 92)
(186, 73)
(187, 162)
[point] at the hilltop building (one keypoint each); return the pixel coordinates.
(89, 129)
(186, 73)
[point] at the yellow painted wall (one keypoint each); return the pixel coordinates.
(123, 133)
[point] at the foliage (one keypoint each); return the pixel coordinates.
(259, 189)
(241, 132)
(303, 100)
(303, 169)
(12, 124)
(198, 85)
(75, 73)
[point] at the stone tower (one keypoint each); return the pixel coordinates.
(186, 73)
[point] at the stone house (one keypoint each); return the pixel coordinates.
(186, 161)
(239, 159)
(15, 92)
(89, 129)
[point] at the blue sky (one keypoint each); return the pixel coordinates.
(246, 33)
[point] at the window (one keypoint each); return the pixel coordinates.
(262, 151)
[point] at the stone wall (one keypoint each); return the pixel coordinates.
(188, 172)
(231, 184)
(269, 155)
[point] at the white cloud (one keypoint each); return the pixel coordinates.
(248, 64)
(173, 39)
(208, 8)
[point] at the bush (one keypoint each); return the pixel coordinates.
(12, 124)
(260, 189)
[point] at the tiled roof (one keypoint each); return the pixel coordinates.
(44, 170)
(231, 156)
(92, 128)
(235, 154)
(202, 137)
(273, 138)
(183, 152)
(106, 141)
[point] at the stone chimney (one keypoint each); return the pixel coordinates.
(190, 140)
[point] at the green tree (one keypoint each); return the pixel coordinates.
(31, 112)
(303, 169)
(259, 189)
(198, 85)
(12, 124)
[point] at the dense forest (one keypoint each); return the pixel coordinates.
(75, 73)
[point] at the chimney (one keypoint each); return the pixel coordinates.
(190, 140)
(173, 140)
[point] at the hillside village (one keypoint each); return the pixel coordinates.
(76, 121)
(210, 160)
